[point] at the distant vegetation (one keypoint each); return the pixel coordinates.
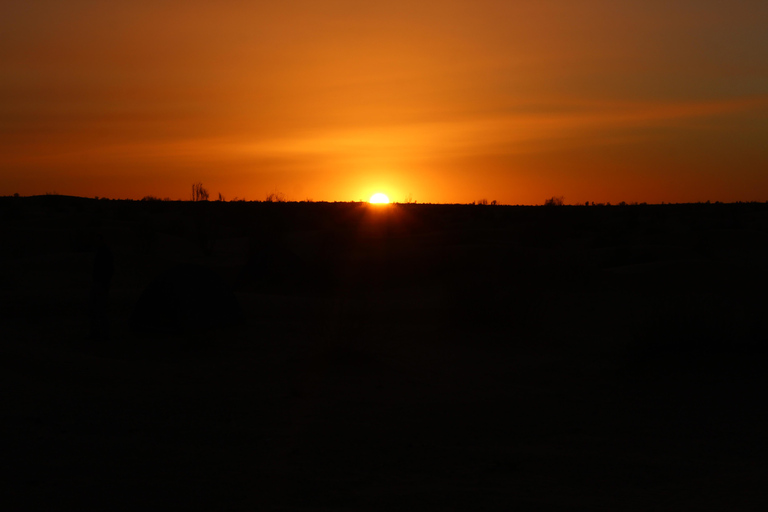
(276, 197)
(554, 201)
(198, 192)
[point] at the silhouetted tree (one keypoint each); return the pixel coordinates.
(554, 201)
(198, 192)
(277, 197)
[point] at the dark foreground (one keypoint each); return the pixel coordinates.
(411, 357)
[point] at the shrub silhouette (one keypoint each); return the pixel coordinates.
(198, 192)
(275, 197)
(554, 201)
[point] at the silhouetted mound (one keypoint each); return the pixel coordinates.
(186, 298)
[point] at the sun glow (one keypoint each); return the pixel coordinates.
(379, 198)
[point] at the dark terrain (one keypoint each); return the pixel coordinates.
(417, 357)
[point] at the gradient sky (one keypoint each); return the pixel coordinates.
(445, 101)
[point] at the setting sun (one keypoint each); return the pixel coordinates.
(379, 198)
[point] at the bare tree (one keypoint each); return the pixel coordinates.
(554, 201)
(275, 197)
(198, 192)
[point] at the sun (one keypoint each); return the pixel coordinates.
(379, 198)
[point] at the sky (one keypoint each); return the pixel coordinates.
(435, 101)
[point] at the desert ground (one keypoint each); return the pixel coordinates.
(344, 356)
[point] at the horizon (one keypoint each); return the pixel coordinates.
(441, 103)
(152, 198)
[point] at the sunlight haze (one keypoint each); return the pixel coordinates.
(446, 101)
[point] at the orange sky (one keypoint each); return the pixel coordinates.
(449, 101)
